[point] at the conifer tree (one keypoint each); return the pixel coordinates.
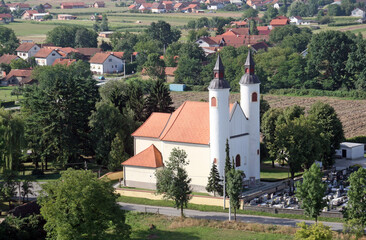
(227, 159)
(214, 180)
(104, 25)
(117, 154)
(159, 99)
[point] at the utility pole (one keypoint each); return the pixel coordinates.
(229, 210)
(124, 68)
(224, 193)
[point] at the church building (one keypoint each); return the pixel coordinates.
(201, 130)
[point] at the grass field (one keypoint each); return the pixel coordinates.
(5, 94)
(177, 228)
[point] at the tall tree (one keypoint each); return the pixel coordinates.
(155, 67)
(356, 64)
(57, 111)
(311, 192)
(327, 59)
(330, 127)
(159, 99)
(8, 40)
(72, 36)
(11, 140)
(79, 205)
(173, 181)
(214, 182)
(117, 155)
(228, 166)
(356, 207)
(163, 32)
(85, 38)
(8, 186)
(268, 129)
(235, 188)
(253, 30)
(19, 64)
(27, 188)
(104, 25)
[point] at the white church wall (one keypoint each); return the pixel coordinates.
(141, 143)
(140, 177)
(238, 122)
(199, 165)
(240, 145)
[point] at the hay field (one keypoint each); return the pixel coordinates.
(352, 113)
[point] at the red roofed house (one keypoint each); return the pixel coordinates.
(71, 5)
(18, 77)
(27, 50)
(7, 58)
(145, 7)
(102, 63)
(88, 52)
(201, 129)
(99, 4)
(28, 14)
(47, 6)
(157, 7)
(18, 6)
(169, 74)
(6, 18)
(46, 56)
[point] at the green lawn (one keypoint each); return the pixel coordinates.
(5, 94)
(26, 28)
(176, 228)
(269, 174)
(206, 208)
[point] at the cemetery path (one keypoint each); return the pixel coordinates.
(223, 216)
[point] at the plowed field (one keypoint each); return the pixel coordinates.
(351, 112)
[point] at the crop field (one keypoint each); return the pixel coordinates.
(352, 113)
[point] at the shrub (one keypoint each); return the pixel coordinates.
(313, 232)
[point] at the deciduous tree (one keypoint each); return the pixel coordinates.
(8, 40)
(234, 187)
(173, 181)
(80, 206)
(311, 192)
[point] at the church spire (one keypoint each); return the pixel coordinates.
(249, 77)
(219, 81)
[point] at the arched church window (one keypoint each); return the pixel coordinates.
(213, 102)
(254, 97)
(237, 161)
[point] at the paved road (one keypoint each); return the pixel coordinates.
(222, 216)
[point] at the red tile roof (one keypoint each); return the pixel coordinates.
(7, 58)
(279, 22)
(73, 4)
(117, 54)
(25, 74)
(236, 31)
(66, 62)
(43, 52)
(31, 12)
(25, 47)
(153, 126)
(89, 51)
(99, 58)
(151, 157)
(5, 15)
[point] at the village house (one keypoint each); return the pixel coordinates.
(145, 7)
(201, 129)
(18, 6)
(7, 58)
(39, 16)
(107, 34)
(71, 5)
(169, 74)
(157, 7)
(18, 77)
(46, 56)
(27, 50)
(99, 4)
(296, 20)
(102, 63)
(358, 13)
(88, 52)
(6, 18)
(279, 22)
(215, 6)
(47, 6)
(28, 14)
(65, 17)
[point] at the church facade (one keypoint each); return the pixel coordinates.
(202, 129)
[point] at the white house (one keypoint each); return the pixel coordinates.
(39, 16)
(215, 6)
(358, 13)
(349, 150)
(27, 50)
(46, 56)
(201, 129)
(158, 7)
(296, 20)
(102, 63)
